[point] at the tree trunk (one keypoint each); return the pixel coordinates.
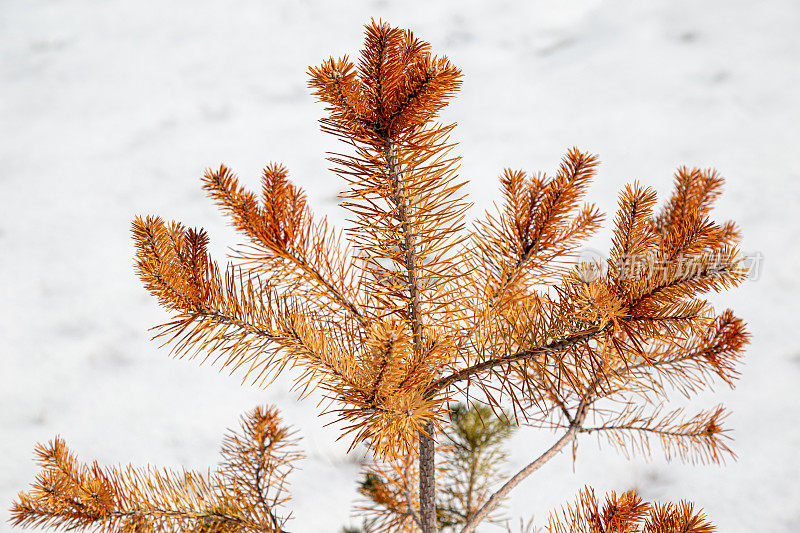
(427, 479)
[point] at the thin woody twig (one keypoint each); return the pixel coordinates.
(497, 497)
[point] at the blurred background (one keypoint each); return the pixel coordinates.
(109, 109)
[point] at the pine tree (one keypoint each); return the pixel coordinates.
(408, 310)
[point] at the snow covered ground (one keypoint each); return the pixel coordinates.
(111, 109)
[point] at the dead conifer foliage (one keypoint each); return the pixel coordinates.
(242, 494)
(409, 308)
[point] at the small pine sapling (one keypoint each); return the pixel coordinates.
(406, 312)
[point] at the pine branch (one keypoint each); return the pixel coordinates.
(698, 439)
(627, 513)
(70, 495)
(552, 347)
(407, 245)
(258, 460)
(633, 236)
(688, 367)
(285, 236)
(535, 226)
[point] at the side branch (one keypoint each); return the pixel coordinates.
(219, 317)
(553, 346)
(315, 275)
(644, 429)
(26, 514)
(334, 292)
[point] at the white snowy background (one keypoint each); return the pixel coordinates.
(109, 109)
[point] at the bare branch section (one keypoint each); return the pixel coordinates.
(502, 493)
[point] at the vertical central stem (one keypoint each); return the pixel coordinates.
(427, 450)
(427, 479)
(399, 197)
